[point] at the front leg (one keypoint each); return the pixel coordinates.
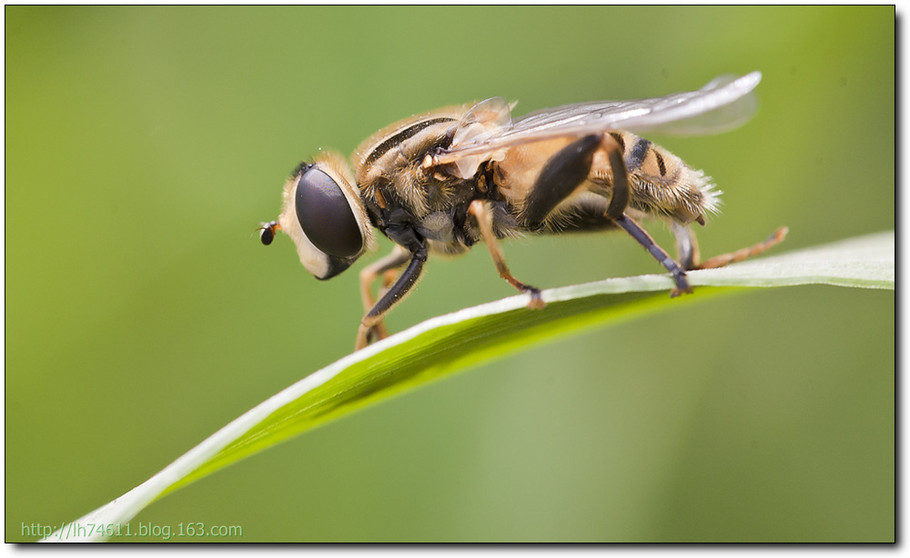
(394, 260)
(408, 278)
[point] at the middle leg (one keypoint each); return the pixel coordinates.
(484, 216)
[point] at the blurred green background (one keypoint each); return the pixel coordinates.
(145, 144)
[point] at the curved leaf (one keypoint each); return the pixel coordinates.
(456, 341)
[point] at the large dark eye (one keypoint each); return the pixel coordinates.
(325, 216)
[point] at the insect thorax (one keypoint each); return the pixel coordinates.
(398, 192)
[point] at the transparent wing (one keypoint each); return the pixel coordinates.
(721, 118)
(722, 104)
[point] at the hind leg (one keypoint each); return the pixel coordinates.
(687, 248)
(739, 255)
(686, 245)
(570, 168)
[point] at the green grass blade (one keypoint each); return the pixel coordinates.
(457, 341)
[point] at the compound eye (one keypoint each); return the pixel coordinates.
(325, 215)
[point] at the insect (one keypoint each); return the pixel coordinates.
(442, 181)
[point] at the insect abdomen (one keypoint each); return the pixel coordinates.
(661, 184)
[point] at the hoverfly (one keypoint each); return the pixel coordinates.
(442, 181)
